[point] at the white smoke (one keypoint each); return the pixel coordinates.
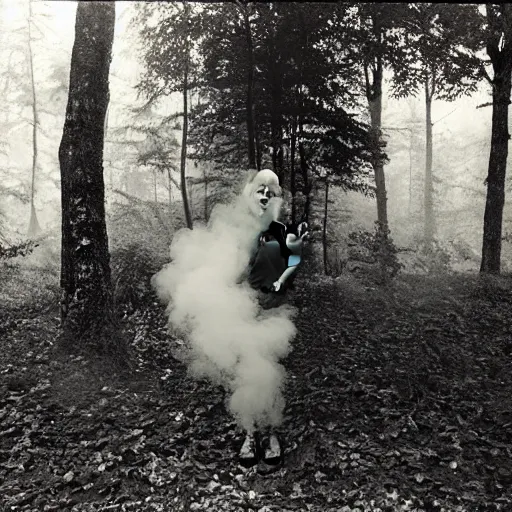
(232, 340)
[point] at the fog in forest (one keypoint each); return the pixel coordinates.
(461, 142)
(250, 256)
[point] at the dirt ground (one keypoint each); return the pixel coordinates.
(398, 398)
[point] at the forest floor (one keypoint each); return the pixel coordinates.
(398, 398)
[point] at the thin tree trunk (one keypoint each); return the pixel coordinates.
(493, 216)
(87, 302)
(205, 175)
(429, 183)
(169, 177)
(273, 137)
(183, 163)
(293, 143)
(155, 188)
(374, 96)
(33, 226)
(276, 125)
(257, 140)
(299, 137)
(250, 90)
(304, 173)
(324, 230)
(410, 172)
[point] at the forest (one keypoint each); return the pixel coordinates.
(130, 129)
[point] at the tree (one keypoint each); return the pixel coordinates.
(306, 113)
(251, 128)
(170, 65)
(439, 64)
(370, 37)
(159, 151)
(375, 22)
(33, 227)
(87, 305)
(498, 44)
(278, 59)
(184, 91)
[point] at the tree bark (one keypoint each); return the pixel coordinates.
(429, 222)
(324, 229)
(304, 173)
(493, 216)
(33, 226)
(205, 176)
(183, 162)
(293, 143)
(374, 96)
(499, 48)
(250, 91)
(169, 179)
(257, 139)
(276, 124)
(155, 188)
(87, 303)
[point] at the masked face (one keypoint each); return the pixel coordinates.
(263, 195)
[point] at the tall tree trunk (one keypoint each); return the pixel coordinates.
(429, 223)
(257, 140)
(493, 216)
(499, 50)
(299, 126)
(275, 138)
(410, 172)
(155, 188)
(169, 179)
(87, 303)
(293, 143)
(183, 162)
(374, 96)
(33, 226)
(304, 173)
(205, 175)
(324, 229)
(250, 90)
(276, 125)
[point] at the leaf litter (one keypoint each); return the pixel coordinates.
(397, 399)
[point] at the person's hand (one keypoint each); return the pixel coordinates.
(276, 286)
(302, 230)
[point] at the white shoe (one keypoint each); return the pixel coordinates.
(248, 453)
(272, 453)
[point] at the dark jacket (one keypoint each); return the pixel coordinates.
(270, 259)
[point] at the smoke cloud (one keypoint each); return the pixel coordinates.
(232, 340)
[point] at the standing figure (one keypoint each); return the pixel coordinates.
(271, 269)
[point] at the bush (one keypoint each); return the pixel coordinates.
(30, 278)
(19, 249)
(132, 268)
(336, 260)
(373, 256)
(432, 258)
